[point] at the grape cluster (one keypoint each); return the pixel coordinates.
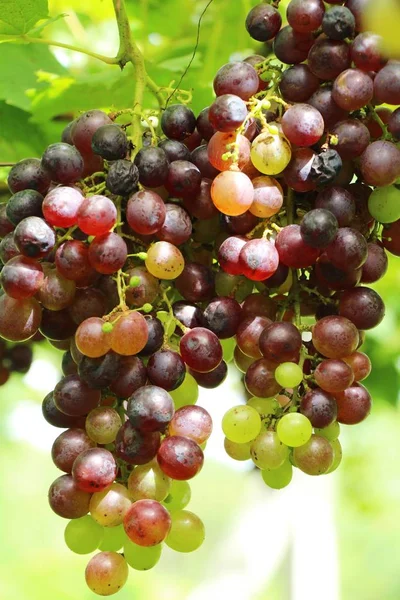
(14, 358)
(248, 234)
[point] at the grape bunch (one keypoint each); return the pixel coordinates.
(249, 234)
(14, 358)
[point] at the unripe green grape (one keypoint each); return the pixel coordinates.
(187, 393)
(337, 456)
(315, 457)
(106, 573)
(141, 558)
(264, 406)
(113, 538)
(278, 478)
(187, 532)
(294, 429)
(267, 451)
(331, 432)
(109, 507)
(237, 451)
(148, 481)
(384, 204)
(228, 348)
(241, 424)
(178, 497)
(83, 535)
(289, 375)
(270, 152)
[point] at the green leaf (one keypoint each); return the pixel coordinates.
(19, 138)
(46, 23)
(22, 15)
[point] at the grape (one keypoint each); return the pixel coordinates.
(241, 424)
(237, 451)
(131, 376)
(28, 174)
(331, 432)
(260, 380)
(63, 163)
(109, 507)
(178, 122)
(145, 212)
(67, 500)
(328, 58)
(34, 238)
(8, 248)
(222, 316)
(339, 202)
(129, 334)
(203, 125)
(352, 89)
(213, 378)
(319, 407)
(232, 193)
(57, 418)
(21, 277)
(390, 238)
(148, 482)
(292, 47)
(267, 451)
(258, 259)
(366, 52)
(113, 539)
(339, 23)
(134, 447)
(376, 264)
(201, 205)
(335, 336)
(217, 151)
(196, 282)
(110, 142)
(383, 204)
(153, 165)
(72, 261)
(259, 305)
(268, 199)
(354, 404)
(237, 78)
(297, 174)
(393, 124)
(187, 393)
(348, 250)
(106, 573)
(155, 336)
(248, 334)
(180, 457)
(298, 83)
(362, 306)
(97, 215)
(166, 369)
(318, 228)
(322, 100)
(147, 523)
(294, 429)
(360, 365)
(141, 558)
(122, 177)
(150, 408)
(183, 178)
(201, 350)
(303, 125)
(289, 375)
(67, 447)
(263, 22)
(229, 253)
(90, 338)
(227, 113)
(353, 138)
(26, 203)
(107, 253)
(315, 457)
(327, 167)
(82, 130)
(292, 250)
(280, 342)
(83, 535)
(56, 292)
(305, 17)
(164, 261)
(270, 153)
(187, 532)
(241, 360)
(380, 163)
(228, 348)
(333, 375)
(19, 319)
(386, 84)
(102, 424)
(188, 314)
(88, 302)
(174, 150)
(146, 289)
(179, 496)
(177, 226)
(94, 470)
(278, 478)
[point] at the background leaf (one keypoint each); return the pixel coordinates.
(22, 15)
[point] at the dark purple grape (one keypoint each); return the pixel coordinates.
(132, 375)
(318, 228)
(63, 163)
(188, 314)
(196, 282)
(227, 113)
(57, 325)
(201, 349)
(199, 157)
(298, 83)
(334, 278)
(241, 224)
(328, 58)
(394, 124)
(338, 23)
(323, 101)
(88, 302)
(34, 238)
(260, 381)
(305, 17)
(293, 251)
(67, 447)
(68, 365)
(183, 178)
(26, 203)
(352, 89)
(362, 306)
(348, 250)
(292, 47)
(319, 407)
(238, 78)
(110, 142)
(150, 408)
(354, 404)
(156, 336)
(85, 126)
(122, 177)
(145, 212)
(263, 22)
(66, 136)
(297, 174)
(213, 378)
(74, 397)
(326, 167)
(204, 126)
(278, 278)
(376, 264)
(387, 84)
(134, 447)
(338, 201)
(166, 369)
(28, 174)
(178, 122)
(175, 150)
(99, 373)
(380, 163)
(107, 253)
(200, 205)
(56, 418)
(280, 342)
(153, 165)
(353, 138)
(67, 500)
(223, 316)
(177, 226)
(366, 52)
(94, 470)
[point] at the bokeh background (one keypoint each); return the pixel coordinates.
(334, 537)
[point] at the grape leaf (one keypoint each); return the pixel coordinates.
(22, 15)
(19, 138)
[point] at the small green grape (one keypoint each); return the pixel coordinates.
(331, 432)
(178, 497)
(187, 393)
(83, 535)
(228, 348)
(187, 532)
(264, 406)
(267, 451)
(241, 424)
(294, 429)
(113, 539)
(289, 375)
(141, 558)
(278, 478)
(384, 204)
(237, 451)
(337, 456)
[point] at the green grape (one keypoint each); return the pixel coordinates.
(141, 558)
(113, 538)
(267, 451)
(237, 285)
(237, 451)
(270, 153)
(187, 532)
(278, 478)
(106, 573)
(289, 375)
(264, 406)
(241, 424)
(337, 456)
(179, 496)
(331, 432)
(83, 535)
(187, 393)
(384, 204)
(294, 429)
(383, 18)
(148, 481)
(109, 507)
(168, 323)
(228, 348)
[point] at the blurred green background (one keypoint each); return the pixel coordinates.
(334, 537)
